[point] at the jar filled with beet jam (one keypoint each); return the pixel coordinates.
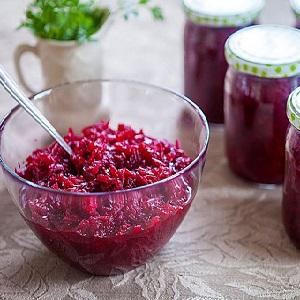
(291, 189)
(208, 25)
(264, 70)
(295, 4)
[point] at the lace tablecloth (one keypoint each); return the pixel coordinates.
(231, 245)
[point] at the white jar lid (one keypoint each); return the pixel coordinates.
(223, 13)
(295, 4)
(293, 108)
(270, 51)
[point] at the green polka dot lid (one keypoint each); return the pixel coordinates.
(270, 51)
(295, 4)
(293, 108)
(223, 13)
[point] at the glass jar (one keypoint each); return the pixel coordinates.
(295, 4)
(264, 70)
(209, 23)
(291, 188)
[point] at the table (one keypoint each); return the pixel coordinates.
(231, 245)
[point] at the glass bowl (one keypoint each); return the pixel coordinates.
(113, 242)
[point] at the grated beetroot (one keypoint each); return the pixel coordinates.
(115, 232)
(105, 160)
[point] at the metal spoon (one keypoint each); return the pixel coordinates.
(17, 94)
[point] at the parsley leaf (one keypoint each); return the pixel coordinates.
(65, 20)
(76, 20)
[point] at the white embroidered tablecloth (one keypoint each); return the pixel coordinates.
(231, 245)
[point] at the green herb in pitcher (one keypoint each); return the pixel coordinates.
(75, 20)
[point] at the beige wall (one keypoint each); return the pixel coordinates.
(139, 49)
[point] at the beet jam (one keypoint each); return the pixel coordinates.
(119, 229)
(205, 67)
(291, 189)
(209, 23)
(257, 87)
(256, 125)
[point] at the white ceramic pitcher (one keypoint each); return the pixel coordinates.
(61, 62)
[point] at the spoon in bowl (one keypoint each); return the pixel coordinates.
(18, 95)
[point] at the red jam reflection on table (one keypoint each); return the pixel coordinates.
(117, 231)
(291, 188)
(209, 24)
(256, 93)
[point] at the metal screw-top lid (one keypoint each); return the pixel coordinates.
(270, 51)
(293, 108)
(221, 13)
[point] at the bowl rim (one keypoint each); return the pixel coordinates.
(44, 92)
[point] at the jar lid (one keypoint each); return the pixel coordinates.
(293, 108)
(270, 51)
(221, 13)
(295, 4)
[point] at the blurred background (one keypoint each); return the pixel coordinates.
(139, 49)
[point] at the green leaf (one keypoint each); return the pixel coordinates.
(131, 8)
(76, 20)
(143, 2)
(65, 20)
(157, 13)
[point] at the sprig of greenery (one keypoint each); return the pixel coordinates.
(131, 8)
(65, 20)
(74, 20)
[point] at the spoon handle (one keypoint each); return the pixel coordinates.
(17, 94)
